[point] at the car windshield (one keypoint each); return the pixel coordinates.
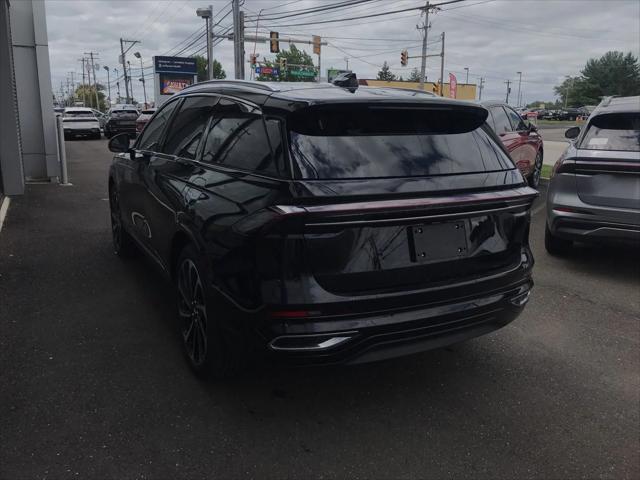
(367, 142)
(613, 131)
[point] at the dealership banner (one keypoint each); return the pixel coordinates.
(185, 65)
(453, 86)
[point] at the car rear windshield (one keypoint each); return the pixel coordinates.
(613, 131)
(378, 142)
(124, 112)
(79, 114)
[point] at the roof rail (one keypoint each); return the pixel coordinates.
(245, 83)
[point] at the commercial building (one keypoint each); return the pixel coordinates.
(465, 91)
(28, 140)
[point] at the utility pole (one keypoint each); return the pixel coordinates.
(95, 79)
(238, 39)
(123, 61)
(467, 70)
(442, 68)
(115, 71)
(73, 86)
(519, 84)
(425, 27)
(346, 59)
(209, 43)
(481, 87)
(508, 82)
(84, 89)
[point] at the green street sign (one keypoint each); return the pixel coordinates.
(302, 73)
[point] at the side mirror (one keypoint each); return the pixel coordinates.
(572, 133)
(119, 143)
(532, 127)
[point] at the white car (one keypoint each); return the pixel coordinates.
(80, 122)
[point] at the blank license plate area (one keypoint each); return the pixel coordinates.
(438, 242)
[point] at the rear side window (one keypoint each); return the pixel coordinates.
(500, 120)
(516, 121)
(361, 142)
(613, 131)
(188, 127)
(151, 136)
(237, 138)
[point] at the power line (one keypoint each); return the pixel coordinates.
(297, 13)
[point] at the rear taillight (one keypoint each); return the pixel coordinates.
(563, 165)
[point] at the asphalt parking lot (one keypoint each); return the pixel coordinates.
(93, 383)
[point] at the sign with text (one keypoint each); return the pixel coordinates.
(268, 71)
(185, 65)
(302, 73)
(172, 84)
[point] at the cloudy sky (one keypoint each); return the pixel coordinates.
(545, 39)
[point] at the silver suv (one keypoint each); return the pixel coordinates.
(594, 193)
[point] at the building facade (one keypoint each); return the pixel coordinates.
(28, 140)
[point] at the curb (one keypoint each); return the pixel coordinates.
(4, 208)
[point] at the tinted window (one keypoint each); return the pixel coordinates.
(613, 132)
(516, 120)
(385, 143)
(188, 127)
(238, 138)
(153, 131)
(500, 120)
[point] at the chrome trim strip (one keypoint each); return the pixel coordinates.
(332, 341)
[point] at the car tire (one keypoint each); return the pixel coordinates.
(534, 178)
(214, 343)
(124, 245)
(555, 245)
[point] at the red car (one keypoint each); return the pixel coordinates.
(520, 138)
(144, 117)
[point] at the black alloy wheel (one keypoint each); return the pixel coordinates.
(214, 343)
(534, 178)
(192, 310)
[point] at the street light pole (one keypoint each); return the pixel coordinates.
(207, 14)
(519, 84)
(144, 88)
(108, 84)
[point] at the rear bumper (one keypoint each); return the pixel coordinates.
(116, 129)
(380, 335)
(72, 132)
(571, 218)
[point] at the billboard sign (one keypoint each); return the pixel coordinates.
(186, 65)
(171, 84)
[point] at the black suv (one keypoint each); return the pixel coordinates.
(319, 224)
(121, 119)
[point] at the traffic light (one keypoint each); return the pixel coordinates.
(317, 41)
(274, 43)
(404, 58)
(253, 59)
(283, 63)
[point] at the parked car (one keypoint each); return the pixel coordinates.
(58, 111)
(594, 193)
(144, 117)
(520, 138)
(80, 122)
(121, 119)
(320, 224)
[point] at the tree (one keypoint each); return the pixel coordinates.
(414, 76)
(385, 73)
(202, 66)
(612, 74)
(87, 94)
(297, 60)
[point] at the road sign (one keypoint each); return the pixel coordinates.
(302, 73)
(268, 71)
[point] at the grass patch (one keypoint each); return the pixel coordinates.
(546, 171)
(556, 123)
